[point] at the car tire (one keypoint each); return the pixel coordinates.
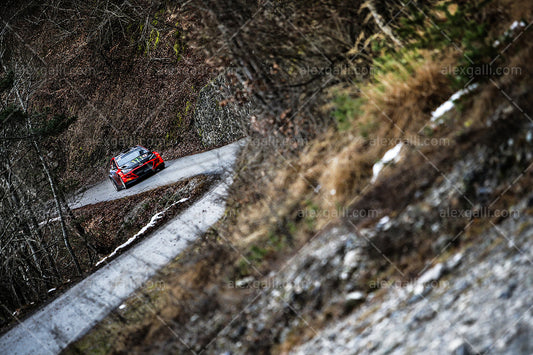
(114, 184)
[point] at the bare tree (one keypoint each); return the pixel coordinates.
(55, 195)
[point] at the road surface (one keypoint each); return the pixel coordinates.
(212, 161)
(66, 319)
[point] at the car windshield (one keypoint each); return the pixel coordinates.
(129, 157)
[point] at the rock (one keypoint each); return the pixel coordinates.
(419, 293)
(442, 243)
(244, 282)
(508, 292)
(350, 263)
(353, 299)
(463, 349)
(452, 263)
(344, 275)
(352, 258)
(424, 314)
(433, 274)
(435, 227)
(384, 223)
(355, 296)
(216, 123)
(426, 282)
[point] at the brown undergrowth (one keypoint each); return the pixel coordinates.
(113, 222)
(91, 63)
(252, 232)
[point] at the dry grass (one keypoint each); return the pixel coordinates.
(335, 170)
(341, 162)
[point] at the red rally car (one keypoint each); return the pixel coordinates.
(133, 164)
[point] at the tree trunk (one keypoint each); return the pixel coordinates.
(79, 229)
(37, 231)
(58, 205)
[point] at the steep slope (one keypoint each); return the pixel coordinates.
(390, 223)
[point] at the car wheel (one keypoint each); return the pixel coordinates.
(161, 166)
(124, 186)
(114, 184)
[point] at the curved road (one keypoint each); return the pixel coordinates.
(212, 161)
(53, 327)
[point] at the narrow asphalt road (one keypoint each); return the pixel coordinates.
(53, 327)
(212, 161)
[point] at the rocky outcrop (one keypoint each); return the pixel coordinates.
(218, 119)
(448, 307)
(454, 314)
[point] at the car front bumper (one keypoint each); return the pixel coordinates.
(144, 170)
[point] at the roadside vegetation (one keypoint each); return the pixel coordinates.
(80, 82)
(335, 87)
(107, 227)
(335, 93)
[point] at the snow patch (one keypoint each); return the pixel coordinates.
(514, 26)
(49, 221)
(392, 155)
(448, 105)
(433, 274)
(383, 221)
(517, 24)
(52, 290)
(150, 224)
